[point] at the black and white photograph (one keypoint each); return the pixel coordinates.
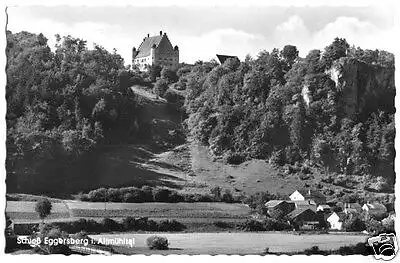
(200, 128)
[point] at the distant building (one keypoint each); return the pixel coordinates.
(304, 195)
(350, 208)
(223, 58)
(303, 218)
(279, 208)
(323, 208)
(305, 204)
(155, 50)
(374, 208)
(336, 220)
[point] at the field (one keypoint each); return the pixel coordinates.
(237, 243)
(159, 210)
(24, 211)
(187, 213)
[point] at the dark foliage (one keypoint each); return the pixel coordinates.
(157, 243)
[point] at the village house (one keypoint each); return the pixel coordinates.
(350, 208)
(305, 195)
(336, 220)
(374, 208)
(324, 208)
(302, 218)
(279, 208)
(155, 50)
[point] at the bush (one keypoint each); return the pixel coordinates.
(275, 225)
(233, 158)
(171, 225)
(161, 195)
(223, 224)
(315, 251)
(157, 242)
(161, 87)
(172, 97)
(251, 225)
(111, 225)
(227, 197)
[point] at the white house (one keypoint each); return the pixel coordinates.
(323, 208)
(308, 194)
(336, 220)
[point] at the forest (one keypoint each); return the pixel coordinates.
(63, 103)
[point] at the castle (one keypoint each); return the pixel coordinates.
(155, 50)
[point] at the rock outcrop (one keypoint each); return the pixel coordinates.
(363, 87)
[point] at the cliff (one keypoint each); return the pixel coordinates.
(363, 87)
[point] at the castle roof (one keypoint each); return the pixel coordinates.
(223, 58)
(145, 48)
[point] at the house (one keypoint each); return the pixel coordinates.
(374, 208)
(279, 208)
(302, 195)
(303, 218)
(323, 208)
(336, 220)
(223, 58)
(305, 204)
(352, 208)
(155, 50)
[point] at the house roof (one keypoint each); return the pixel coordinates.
(145, 48)
(324, 206)
(311, 193)
(356, 206)
(341, 215)
(309, 203)
(298, 211)
(273, 203)
(376, 206)
(223, 58)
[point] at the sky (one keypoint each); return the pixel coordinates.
(203, 31)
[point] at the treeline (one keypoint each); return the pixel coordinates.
(63, 104)
(258, 109)
(149, 194)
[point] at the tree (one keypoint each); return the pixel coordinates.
(43, 208)
(216, 192)
(160, 87)
(334, 51)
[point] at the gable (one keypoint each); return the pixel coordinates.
(165, 46)
(296, 196)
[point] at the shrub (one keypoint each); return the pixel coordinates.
(354, 223)
(147, 193)
(315, 251)
(251, 225)
(110, 225)
(171, 225)
(157, 242)
(275, 225)
(223, 224)
(233, 158)
(172, 97)
(161, 195)
(227, 197)
(161, 87)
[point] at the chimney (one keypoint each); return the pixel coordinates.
(160, 33)
(148, 35)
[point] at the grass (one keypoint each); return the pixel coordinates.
(237, 243)
(25, 211)
(159, 210)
